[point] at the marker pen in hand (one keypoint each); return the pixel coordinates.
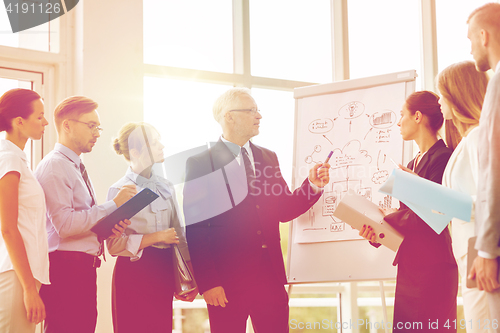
(328, 157)
(397, 165)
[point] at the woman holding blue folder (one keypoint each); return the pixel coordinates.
(427, 279)
(143, 279)
(462, 90)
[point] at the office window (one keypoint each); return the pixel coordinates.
(453, 44)
(384, 37)
(182, 112)
(291, 39)
(44, 37)
(192, 34)
(277, 126)
(8, 84)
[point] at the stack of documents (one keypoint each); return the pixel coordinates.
(357, 211)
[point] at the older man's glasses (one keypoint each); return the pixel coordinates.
(94, 129)
(252, 110)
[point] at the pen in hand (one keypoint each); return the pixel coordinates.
(328, 157)
(322, 171)
(397, 165)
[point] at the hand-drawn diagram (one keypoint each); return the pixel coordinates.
(383, 119)
(383, 136)
(352, 110)
(310, 158)
(312, 219)
(334, 192)
(362, 136)
(385, 202)
(380, 176)
(350, 154)
(321, 125)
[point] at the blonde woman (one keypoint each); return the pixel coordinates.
(462, 90)
(143, 280)
(24, 261)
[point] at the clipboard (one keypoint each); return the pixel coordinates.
(126, 211)
(357, 211)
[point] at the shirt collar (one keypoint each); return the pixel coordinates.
(68, 153)
(138, 179)
(11, 146)
(154, 184)
(236, 149)
(497, 69)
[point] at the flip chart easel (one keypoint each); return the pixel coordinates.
(357, 120)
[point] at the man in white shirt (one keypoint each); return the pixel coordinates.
(484, 35)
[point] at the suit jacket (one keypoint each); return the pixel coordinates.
(421, 245)
(488, 194)
(226, 244)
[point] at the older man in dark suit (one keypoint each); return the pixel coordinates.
(234, 200)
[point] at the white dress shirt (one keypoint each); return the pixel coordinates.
(159, 215)
(237, 155)
(239, 159)
(70, 215)
(31, 216)
(461, 175)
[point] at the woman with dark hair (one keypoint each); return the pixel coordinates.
(427, 279)
(24, 261)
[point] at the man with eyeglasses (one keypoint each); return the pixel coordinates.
(232, 222)
(71, 298)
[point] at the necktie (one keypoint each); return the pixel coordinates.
(87, 182)
(252, 190)
(249, 170)
(91, 192)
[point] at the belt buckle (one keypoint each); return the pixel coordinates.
(97, 262)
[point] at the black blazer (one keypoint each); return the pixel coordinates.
(227, 245)
(421, 245)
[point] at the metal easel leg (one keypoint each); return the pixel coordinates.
(384, 306)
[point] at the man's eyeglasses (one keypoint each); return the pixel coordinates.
(253, 110)
(94, 129)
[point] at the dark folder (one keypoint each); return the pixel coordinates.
(126, 211)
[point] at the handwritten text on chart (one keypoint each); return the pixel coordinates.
(321, 125)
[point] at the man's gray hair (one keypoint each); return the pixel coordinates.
(226, 99)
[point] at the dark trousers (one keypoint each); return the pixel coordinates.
(71, 298)
(264, 299)
(143, 292)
